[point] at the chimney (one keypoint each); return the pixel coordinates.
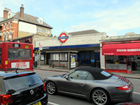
(5, 12)
(22, 11)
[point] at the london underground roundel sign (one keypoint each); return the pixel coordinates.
(63, 37)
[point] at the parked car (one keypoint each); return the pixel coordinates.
(92, 83)
(22, 88)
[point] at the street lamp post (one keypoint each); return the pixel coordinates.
(39, 58)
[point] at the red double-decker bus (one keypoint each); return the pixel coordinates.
(16, 55)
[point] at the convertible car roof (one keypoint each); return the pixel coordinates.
(96, 72)
(90, 69)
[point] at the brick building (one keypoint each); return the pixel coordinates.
(20, 24)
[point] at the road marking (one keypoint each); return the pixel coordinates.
(136, 93)
(52, 103)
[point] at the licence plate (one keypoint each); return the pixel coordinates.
(38, 103)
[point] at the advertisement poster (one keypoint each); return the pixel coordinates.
(42, 57)
(73, 60)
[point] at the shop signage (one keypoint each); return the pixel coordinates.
(121, 49)
(127, 50)
(73, 60)
(63, 37)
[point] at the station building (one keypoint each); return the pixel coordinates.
(74, 49)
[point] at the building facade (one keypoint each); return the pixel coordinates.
(120, 53)
(79, 49)
(20, 24)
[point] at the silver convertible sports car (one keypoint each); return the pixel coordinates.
(92, 83)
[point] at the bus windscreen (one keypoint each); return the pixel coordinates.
(18, 54)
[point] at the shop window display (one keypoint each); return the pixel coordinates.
(116, 62)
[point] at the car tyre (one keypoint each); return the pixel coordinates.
(51, 88)
(100, 97)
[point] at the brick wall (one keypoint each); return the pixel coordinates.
(9, 30)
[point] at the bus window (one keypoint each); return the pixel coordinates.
(19, 54)
(0, 54)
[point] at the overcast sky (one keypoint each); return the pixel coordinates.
(114, 17)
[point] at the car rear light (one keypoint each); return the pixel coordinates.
(125, 87)
(5, 99)
(22, 75)
(44, 87)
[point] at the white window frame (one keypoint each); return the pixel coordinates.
(4, 36)
(7, 26)
(7, 36)
(40, 20)
(47, 31)
(11, 25)
(39, 30)
(10, 35)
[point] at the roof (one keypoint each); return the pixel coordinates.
(11, 73)
(121, 38)
(84, 32)
(29, 19)
(22, 37)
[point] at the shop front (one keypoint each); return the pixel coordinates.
(121, 56)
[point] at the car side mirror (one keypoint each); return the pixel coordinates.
(67, 77)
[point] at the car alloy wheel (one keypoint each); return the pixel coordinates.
(51, 88)
(99, 97)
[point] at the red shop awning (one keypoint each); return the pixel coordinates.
(121, 49)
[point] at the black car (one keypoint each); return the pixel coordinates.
(22, 88)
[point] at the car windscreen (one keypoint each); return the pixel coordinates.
(15, 54)
(22, 82)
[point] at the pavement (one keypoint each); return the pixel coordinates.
(134, 74)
